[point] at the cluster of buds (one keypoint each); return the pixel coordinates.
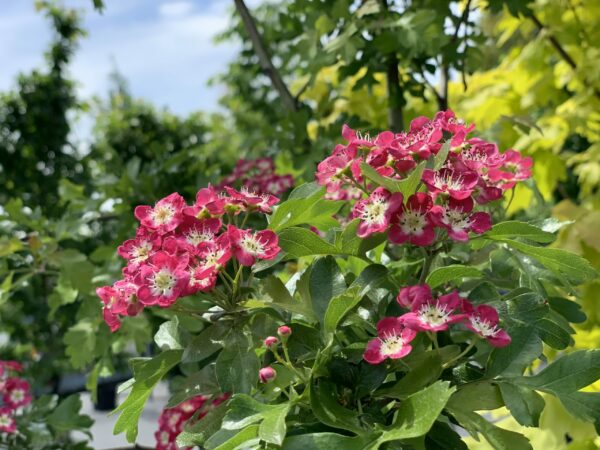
(258, 175)
(268, 374)
(172, 420)
(181, 249)
(15, 393)
(431, 314)
(473, 173)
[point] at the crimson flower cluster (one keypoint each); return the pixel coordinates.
(15, 393)
(474, 172)
(258, 175)
(181, 249)
(172, 420)
(431, 314)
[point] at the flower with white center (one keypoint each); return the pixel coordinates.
(375, 211)
(248, 246)
(392, 341)
(434, 315)
(484, 321)
(138, 250)
(413, 222)
(165, 216)
(162, 280)
(458, 219)
(7, 421)
(16, 393)
(457, 184)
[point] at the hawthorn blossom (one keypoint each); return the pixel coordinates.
(375, 211)
(417, 294)
(208, 204)
(458, 219)
(333, 166)
(514, 168)
(253, 200)
(163, 280)
(483, 320)
(284, 331)
(172, 421)
(164, 216)
(16, 393)
(248, 246)
(392, 341)
(7, 420)
(138, 250)
(413, 222)
(195, 234)
(456, 183)
(479, 156)
(448, 122)
(267, 374)
(434, 314)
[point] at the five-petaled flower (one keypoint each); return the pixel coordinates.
(392, 341)
(458, 218)
(413, 222)
(483, 320)
(248, 246)
(164, 216)
(434, 314)
(375, 211)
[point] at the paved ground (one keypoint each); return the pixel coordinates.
(103, 438)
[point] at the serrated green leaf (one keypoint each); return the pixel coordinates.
(338, 307)
(169, 336)
(237, 365)
(390, 184)
(524, 404)
(272, 429)
(299, 242)
(326, 408)
(515, 229)
(455, 273)
(326, 282)
(321, 441)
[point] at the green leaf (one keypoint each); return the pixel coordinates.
(242, 437)
(370, 278)
(498, 438)
(417, 413)
(352, 244)
(201, 382)
(272, 429)
(237, 364)
(169, 335)
(313, 210)
(280, 297)
(147, 374)
(524, 404)
(440, 158)
(299, 242)
(563, 263)
(339, 306)
(583, 405)
(423, 374)
(66, 417)
(201, 430)
(326, 408)
(569, 309)
(525, 347)
(443, 437)
(326, 282)
(454, 273)
(80, 341)
(321, 441)
(514, 229)
(569, 373)
(205, 344)
(477, 396)
(390, 184)
(409, 185)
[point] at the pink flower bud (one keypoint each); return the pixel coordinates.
(271, 341)
(266, 374)
(284, 331)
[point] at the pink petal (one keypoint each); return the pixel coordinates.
(501, 339)
(373, 352)
(481, 222)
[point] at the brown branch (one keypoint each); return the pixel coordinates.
(558, 47)
(263, 56)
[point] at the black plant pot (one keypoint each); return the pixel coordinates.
(107, 396)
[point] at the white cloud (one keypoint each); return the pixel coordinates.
(176, 9)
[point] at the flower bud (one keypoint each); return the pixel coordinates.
(271, 341)
(284, 331)
(267, 374)
(414, 295)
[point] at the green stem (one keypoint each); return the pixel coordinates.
(466, 350)
(245, 220)
(426, 266)
(357, 184)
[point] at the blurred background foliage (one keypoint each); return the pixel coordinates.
(525, 72)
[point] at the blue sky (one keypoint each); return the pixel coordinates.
(164, 48)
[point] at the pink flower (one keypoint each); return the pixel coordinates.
(457, 217)
(392, 341)
(194, 234)
(410, 295)
(7, 421)
(111, 319)
(334, 165)
(164, 216)
(356, 139)
(15, 366)
(248, 246)
(479, 155)
(208, 204)
(375, 211)
(214, 256)
(413, 223)
(271, 341)
(457, 184)
(484, 193)
(201, 280)
(457, 127)
(267, 374)
(483, 320)
(138, 250)
(284, 331)
(163, 280)
(515, 168)
(434, 315)
(252, 200)
(16, 393)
